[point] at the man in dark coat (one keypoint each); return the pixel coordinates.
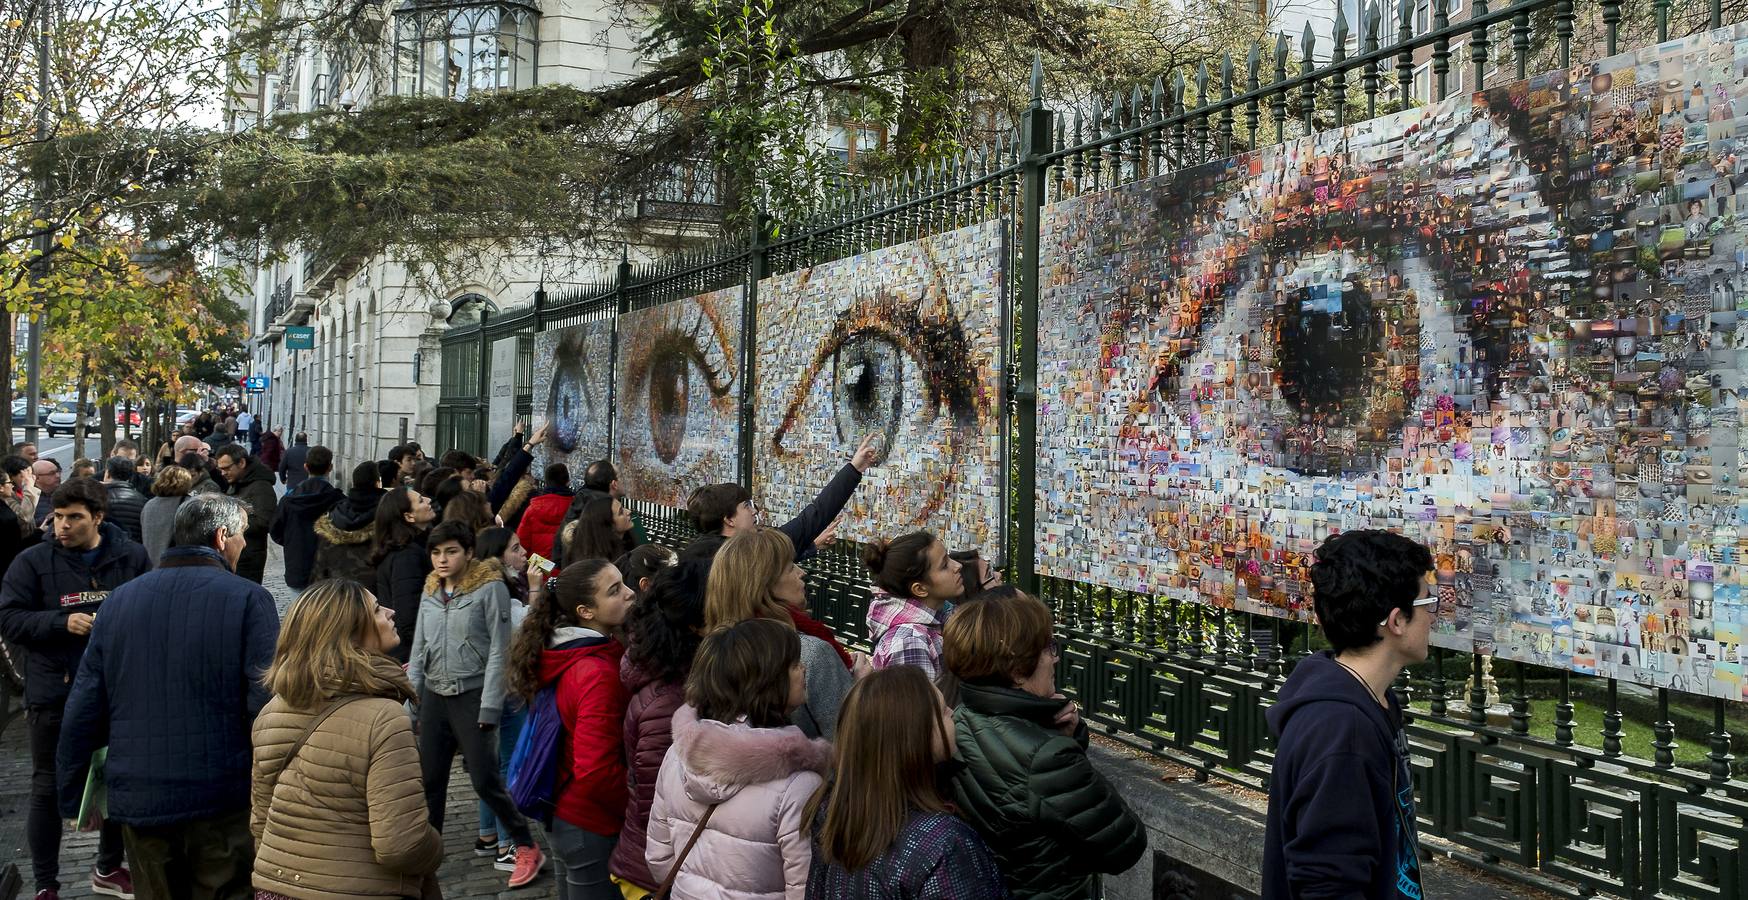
(48, 602)
(249, 481)
(294, 525)
(171, 683)
(723, 510)
(291, 470)
(125, 501)
(343, 535)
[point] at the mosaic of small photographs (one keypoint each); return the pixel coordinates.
(678, 396)
(1511, 326)
(900, 344)
(573, 375)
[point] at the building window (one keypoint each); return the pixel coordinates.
(454, 51)
(848, 141)
(1423, 82)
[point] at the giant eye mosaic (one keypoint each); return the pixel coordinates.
(1511, 325)
(898, 344)
(573, 380)
(678, 394)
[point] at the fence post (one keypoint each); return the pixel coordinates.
(621, 306)
(1035, 129)
(758, 260)
(482, 391)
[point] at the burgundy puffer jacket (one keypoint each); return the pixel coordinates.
(648, 734)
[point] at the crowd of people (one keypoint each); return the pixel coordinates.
(674, 719)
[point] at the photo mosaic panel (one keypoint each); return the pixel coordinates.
(899, 343)
(573, 376)
(678, 396)
(1510, 325)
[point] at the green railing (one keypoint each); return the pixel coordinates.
(1602, 786)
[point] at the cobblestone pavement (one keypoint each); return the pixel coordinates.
(463, 875)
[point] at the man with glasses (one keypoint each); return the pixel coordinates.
(1341, 802)
(251, 482)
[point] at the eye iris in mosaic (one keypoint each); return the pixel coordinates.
(1324, 347)
(668, 391)
(867, 387)
(568, 408)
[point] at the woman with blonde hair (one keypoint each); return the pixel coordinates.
(338, 807)
(755, 577)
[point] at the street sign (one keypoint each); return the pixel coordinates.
(255, 384)
(300, 337)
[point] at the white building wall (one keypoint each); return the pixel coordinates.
(353, 392)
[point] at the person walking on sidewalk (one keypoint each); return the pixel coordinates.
(171, 683)
(458, 664)
(1341, 800)
(343, 535)
(294, 524)
(338, 811)
(249, 481)
(48, 600)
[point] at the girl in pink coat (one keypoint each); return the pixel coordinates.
(736, 756)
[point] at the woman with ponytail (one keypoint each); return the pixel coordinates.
(915, 578)
(570, 639)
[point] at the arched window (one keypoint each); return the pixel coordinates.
(453, 50)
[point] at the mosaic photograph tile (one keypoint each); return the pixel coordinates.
(1511, 325)
(898, 344)
(678, 396)
(572, 392)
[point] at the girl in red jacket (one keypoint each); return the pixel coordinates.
(661, 637)
(571, 638)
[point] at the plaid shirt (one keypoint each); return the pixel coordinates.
(905, 633)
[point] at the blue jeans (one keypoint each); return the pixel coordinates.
(582, 862)
(509, 728)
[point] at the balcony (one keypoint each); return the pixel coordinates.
(279, 308)
(687, 195)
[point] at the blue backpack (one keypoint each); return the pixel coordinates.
(534, 763)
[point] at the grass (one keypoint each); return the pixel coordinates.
(1637, 736)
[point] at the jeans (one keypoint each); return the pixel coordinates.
(450, 723)
(509, 729)
(42, 824)
(582, 862)
(206, 859)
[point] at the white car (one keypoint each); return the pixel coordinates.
(66, 417)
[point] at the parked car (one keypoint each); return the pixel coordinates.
(18, 410)
(66, 417)
(186, 416)
(127, 417)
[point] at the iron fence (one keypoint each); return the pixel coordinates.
(1553, 786)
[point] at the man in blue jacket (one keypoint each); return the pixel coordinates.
(1341, 803)
(48, 602)
(171, 683)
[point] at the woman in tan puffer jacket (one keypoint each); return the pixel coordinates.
(346, 818)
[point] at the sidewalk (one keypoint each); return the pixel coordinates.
(462, 875)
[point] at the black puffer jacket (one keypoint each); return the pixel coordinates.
(255, 487)
(400, 580)
(343, 538)
(1052, 820)
(125, 506)
(47, 583)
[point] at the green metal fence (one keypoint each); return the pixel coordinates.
(1554, 789)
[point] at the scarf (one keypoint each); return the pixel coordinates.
(814, 628)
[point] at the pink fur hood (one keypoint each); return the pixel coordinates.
(721, 759)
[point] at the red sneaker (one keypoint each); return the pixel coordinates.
(118, 883)
(529, 862)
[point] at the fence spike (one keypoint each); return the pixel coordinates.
(1158, 98)
(1339, 32)
(1078, 123)
(1281, 51)
(1037, 78)
(1309, 42)
(1098, 118)
(1226, 69)
(1374, 20)
(1202, 84)
(1137, 111)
